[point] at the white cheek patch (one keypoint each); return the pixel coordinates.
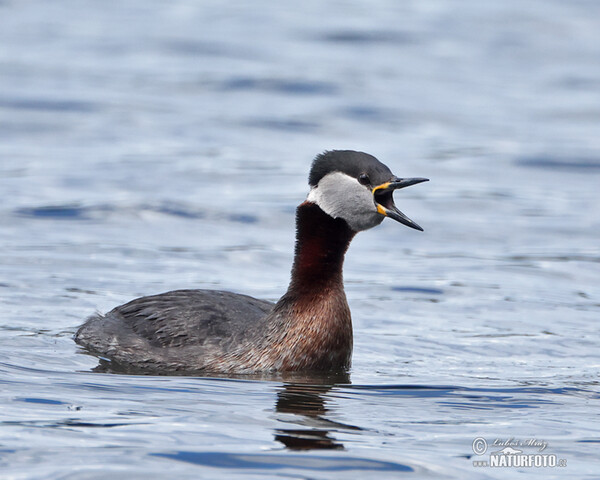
(342, 196)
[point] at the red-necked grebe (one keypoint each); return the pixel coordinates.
(308, 329)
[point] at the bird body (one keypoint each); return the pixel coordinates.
(308, 329)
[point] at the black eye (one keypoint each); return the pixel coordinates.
(363, 178)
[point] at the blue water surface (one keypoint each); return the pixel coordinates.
(147, 146)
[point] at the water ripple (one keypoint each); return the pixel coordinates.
(574, 165)
(277, 462)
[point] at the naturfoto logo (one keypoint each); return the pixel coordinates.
(511, 453)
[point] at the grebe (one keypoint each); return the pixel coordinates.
(308, 329)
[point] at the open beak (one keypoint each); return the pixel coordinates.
(385, 201)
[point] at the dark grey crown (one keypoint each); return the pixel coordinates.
(351, 163)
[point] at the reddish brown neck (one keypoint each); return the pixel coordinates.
(311, 327)
(321, 243)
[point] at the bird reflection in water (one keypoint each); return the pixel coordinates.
(302, 395)
(306, 397)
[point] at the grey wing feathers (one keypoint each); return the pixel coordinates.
(181, 318)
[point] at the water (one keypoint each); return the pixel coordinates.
(149, 146)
